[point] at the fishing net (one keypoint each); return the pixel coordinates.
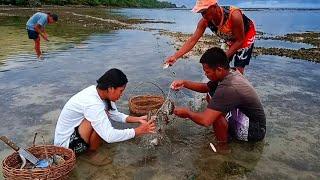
(162, 115)
(156, 105)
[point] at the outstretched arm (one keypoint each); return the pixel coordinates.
(115, 115)
(190, 43)
(194, 86)
(205, 118)
(135, 119)
(100, 122)
(238, 31)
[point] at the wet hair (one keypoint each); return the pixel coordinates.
(215, 57)
(112, 78)
(55, 17)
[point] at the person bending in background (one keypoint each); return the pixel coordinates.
(35, 26)
(230, 25)
(234, 111)
(85, 119)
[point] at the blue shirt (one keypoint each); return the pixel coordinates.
(38, 18)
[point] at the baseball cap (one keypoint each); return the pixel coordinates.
(203, 4)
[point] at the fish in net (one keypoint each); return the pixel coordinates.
(161, 117)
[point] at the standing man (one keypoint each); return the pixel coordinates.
(35, 26)
(228, 23)
(234, 111)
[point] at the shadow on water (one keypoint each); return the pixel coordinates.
(33, 93)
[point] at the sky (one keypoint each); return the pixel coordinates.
(259, 3)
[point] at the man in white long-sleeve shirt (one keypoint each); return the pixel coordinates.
(85, 119)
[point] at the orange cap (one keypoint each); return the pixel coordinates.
(203, 4)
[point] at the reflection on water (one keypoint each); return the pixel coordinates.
(33, 93)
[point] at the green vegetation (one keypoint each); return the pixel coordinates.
(114, 3)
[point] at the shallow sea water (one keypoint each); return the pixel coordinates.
(33, 93)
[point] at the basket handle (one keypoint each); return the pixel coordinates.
(149, 82)
(9, 143)
(34, 139)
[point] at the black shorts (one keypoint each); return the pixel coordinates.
(77, 144)
(32, 34)
(242, 57)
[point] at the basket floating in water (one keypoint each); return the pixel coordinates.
(11, 164)
(142, 104)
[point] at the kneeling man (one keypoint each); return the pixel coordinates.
(234, 110)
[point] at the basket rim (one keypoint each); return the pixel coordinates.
(147, 95)
(149, 82)
(72, 159)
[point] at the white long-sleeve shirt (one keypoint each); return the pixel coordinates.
(87, 104)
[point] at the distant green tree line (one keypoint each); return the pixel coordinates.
(116, 3)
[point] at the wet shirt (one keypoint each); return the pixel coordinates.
(235, 92)
(38, 18)
(225, 30)
(87, 104)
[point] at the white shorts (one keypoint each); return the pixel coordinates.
(238, 125)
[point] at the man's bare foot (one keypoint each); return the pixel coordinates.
(95, 158)
(40, 57)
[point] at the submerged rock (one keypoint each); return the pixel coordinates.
(208, 41)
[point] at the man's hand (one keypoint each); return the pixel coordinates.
(181, 112)
(177, 85)
(145, 128)
(171, 60)
(45, 36)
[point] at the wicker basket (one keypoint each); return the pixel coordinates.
(11, 164)
(142, 104)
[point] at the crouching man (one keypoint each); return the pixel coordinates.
(234, 110)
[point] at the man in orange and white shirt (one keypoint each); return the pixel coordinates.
(229, 24)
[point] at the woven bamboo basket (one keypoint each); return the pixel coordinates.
(140, 105)
(12, 163)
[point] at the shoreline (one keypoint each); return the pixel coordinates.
(101, 19)
(207, 41)
(72, 16)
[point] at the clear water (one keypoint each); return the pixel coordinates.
(33, 93)
(270, 21)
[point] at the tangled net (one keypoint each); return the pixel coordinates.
(161, 117)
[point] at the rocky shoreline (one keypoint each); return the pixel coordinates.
(207, 41)
(100, 19)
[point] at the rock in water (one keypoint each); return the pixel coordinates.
(58, 159)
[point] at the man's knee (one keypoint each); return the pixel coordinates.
(221, 122)
(240, 69)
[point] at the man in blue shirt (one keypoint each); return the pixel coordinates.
(35, 26)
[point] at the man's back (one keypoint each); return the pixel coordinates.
(235, 92)
(37, 18)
